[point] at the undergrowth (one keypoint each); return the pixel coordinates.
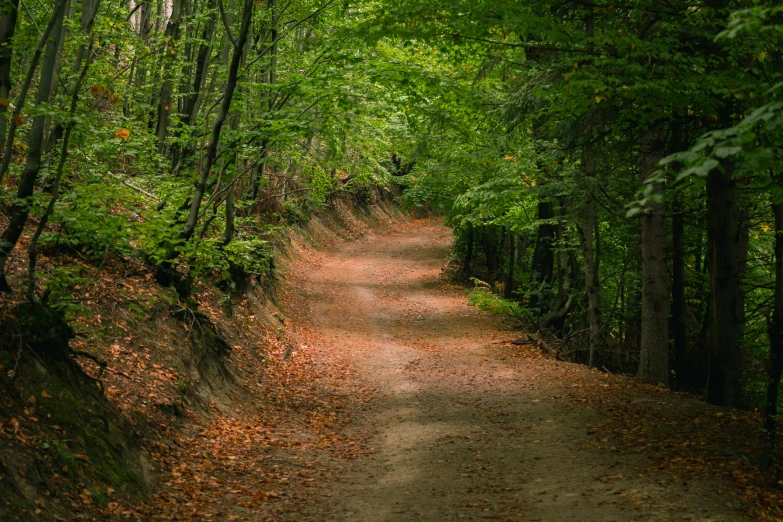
(485, 300)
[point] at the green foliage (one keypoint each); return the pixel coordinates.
(311, 116)
(61, 281)
(252, 254)
(485, 300)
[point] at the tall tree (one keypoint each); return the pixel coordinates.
(189, 227)
(20, 209)
(654, 357)
(8, 15)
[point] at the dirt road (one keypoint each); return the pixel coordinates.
(464, 426)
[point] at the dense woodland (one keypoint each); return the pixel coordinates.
(612, 168)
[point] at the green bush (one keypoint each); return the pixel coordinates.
(489, 302)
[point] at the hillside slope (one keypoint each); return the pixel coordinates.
(141, 405)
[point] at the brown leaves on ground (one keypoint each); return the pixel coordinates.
(258, 449)
(680, 438)
(246, 445)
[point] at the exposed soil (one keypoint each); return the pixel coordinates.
(464, 425)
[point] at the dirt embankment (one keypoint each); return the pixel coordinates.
(165, 411)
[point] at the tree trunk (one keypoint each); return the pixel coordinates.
(468, 259)
(679, 332)
(228, 231)
(25, 89)
(589, 233)
(272, 6)
(489, 244)
(186, 74)
(543, 257)
(258, 173)
(654, 353)
(145, 30)
(775, 330)
(88, 14)
(35, 143)
(564, 301)
(191, 100)
(512, 256)
(7, 29)
(32, 250)
(171, 36)
(633, 319)
(744, 243)
(723, 233)
(52, 136)
(164, 275)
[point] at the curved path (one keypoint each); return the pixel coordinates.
(464, 426)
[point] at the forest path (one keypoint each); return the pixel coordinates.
(463, 425)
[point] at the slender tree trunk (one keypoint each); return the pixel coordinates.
(55, 133)
(25, 89)
(699, 250)
(258, 172)
(126, 107)
(468, 259)
(633, 318)
(35, 143)
(160, 19)
(775, 330)
(564, 300)
(589, 233)
(191, 27)
(88, 14)
(512, 256)
(723, 338)
(679, 333)
(543, 257)
(191, 101)
(8, 17)
(164, 275)
(169, 53)
(622, 331)
(155, 77)
(270, 75)
(744, 244)
(272, 6)
(145, 30)
(228, 232)
(489, 242)
(32, 250)
(654, 354)
(619, 302)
